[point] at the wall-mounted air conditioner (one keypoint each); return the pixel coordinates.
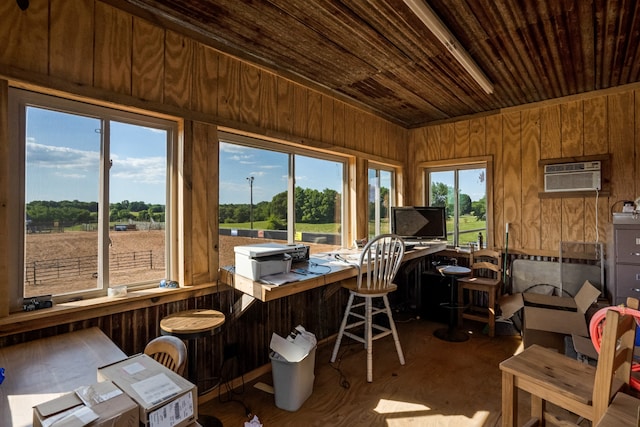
(581, 176)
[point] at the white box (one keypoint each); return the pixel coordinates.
(256, 261)
(112, 406)
(164, 397)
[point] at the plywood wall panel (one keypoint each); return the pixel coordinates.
(328, 120)
(268, 100)
(205, 77)
(461, 136)
(285, 106)
(595, 126)
(572, 132)
(300, 117)
(494, 149)
(571, 128)
(433, 143)
(229, 87)
(512, 161)
(24, 36)
(178, 67)
(148, 61)
(447, 141)
(199, 203)
(550, 148)
(339, 124)
(113, 45)
(530, 202)
(315, 116)
(5, 186)
(477, 137)
(621, 137)
(596, 142)
(249, 94)
(67, 45)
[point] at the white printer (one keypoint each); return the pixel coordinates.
(263, 259)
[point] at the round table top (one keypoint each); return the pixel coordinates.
(190, 322)
(455, 270)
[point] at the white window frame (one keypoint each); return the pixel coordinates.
(19, 99)
(485, 162)
(378, 167)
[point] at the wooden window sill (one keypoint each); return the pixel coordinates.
(102, 306)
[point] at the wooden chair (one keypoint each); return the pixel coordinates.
(572, 385)
(169, 351)
(378, 265)
(485, 280)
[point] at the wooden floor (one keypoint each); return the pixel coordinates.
(441, 384)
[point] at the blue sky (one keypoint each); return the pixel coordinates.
(269, 170)
(63, 158)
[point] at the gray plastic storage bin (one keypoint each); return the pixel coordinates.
(292, 381)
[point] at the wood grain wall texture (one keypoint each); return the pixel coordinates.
(599, 123)
(90, 49)
(124, 59)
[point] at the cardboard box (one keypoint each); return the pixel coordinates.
(164, 397)
(98, 405)
(547, 319)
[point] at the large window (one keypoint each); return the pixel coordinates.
(94, 196)
(381, 198)
(463, 191)
(276, 193)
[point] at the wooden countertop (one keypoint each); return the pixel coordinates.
(323, 270)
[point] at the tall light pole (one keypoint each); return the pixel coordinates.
(250, 179)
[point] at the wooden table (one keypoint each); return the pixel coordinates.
(40, 370)
(623, 412)
(190, 325)
(324, 269)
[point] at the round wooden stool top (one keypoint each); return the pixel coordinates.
(192, 323)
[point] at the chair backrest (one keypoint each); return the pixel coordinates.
(486, 262)
(614, 361)
(169, 351)
(380, 261)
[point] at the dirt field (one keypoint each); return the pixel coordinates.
(76, 244)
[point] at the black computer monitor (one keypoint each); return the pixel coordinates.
(419, 222)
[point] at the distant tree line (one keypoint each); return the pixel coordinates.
(441, 197)
(311, 207)
(77, 212)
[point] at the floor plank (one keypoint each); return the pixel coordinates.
(441, 384)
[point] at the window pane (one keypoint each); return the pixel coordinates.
(318, 202)
(442, 191)
(62, 164)
(380, 192)
(253, 198)
(137, 201)
(472, 205)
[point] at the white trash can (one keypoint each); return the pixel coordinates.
(292, 381)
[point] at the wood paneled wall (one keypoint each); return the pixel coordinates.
(90, 50)
(518, 139)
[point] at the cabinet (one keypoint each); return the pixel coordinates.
(626, 234)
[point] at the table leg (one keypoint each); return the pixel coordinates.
(451, 333)
(509, 400)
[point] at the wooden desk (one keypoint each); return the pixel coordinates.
(43, 369)
(324, 271)
(623, 412)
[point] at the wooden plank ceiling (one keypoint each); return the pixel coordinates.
(379, 55)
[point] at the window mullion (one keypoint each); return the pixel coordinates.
(103, 215)
(291, 200)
